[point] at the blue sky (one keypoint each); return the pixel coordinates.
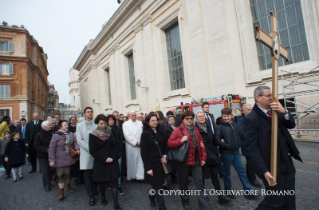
(62, 28)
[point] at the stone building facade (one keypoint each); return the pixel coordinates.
(53, 101)
(169, 51)
(23, 74)
(74, 90)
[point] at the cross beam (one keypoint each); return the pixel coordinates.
(276, 50)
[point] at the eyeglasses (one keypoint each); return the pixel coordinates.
(188, 118)
(268, 96)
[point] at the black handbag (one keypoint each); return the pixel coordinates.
(180, 154)
(212, 157)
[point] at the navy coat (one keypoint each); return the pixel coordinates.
(240, 126)
(257, 129)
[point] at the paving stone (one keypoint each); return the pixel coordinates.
(29, 193)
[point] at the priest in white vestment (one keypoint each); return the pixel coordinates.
(132, 130)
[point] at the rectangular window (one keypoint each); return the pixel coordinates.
(108, 85)
(291, 30)
(175, 59)
(132, 75)
(6, 68)
(4, 91)
(6, 46)
(4, 112)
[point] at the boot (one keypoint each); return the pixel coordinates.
(152, 201)
(61, 196)
(222, 199)
(69, 188)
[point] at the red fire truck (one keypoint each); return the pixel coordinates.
(216, 104)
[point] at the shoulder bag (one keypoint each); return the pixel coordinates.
(73, 152)
(180, 154)
(166, 167)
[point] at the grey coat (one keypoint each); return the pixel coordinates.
(57, 152)
(3, 144)
(82, 136)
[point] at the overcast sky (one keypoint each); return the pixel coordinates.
(62, 28)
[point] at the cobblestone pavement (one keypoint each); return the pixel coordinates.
(29, 193)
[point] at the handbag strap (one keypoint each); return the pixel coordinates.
(157, 145)
(181, 131)
(64, 141)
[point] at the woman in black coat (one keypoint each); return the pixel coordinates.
(72, 124)
(104, 147)
(209, 171)
(153, 156)
(41, 144)
(111, 122)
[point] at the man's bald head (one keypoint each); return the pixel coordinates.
(174, 111)
(35, 116)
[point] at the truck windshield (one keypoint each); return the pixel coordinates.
(179, 111)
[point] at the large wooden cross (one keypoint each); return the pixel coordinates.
(276, 50)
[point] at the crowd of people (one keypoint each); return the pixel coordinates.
(99, 151)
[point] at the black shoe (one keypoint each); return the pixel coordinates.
(32, 171)
(7, 177)
(255, 183)
(47, 190)
(14, 180)
(252, 196)
(152, 201)
(103, 201)
(187, 207)
(133, 180)
(230, 194)
(91, 201)
(117, 207)
(223, 200)
(20, 177)
(120, 191)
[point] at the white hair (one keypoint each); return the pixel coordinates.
(245, 105)
(52, 119)
(199, 111)
(45, 124)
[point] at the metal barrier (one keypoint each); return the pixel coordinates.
(306, 128)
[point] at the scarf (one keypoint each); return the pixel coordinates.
(103, 135)
(89, 125)
(191, 131)
(204, 127)
(67, 138)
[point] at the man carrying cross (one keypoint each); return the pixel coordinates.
(268, 142)
(257, 128)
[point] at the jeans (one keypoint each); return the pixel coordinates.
(120, 164)
(235, 160)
